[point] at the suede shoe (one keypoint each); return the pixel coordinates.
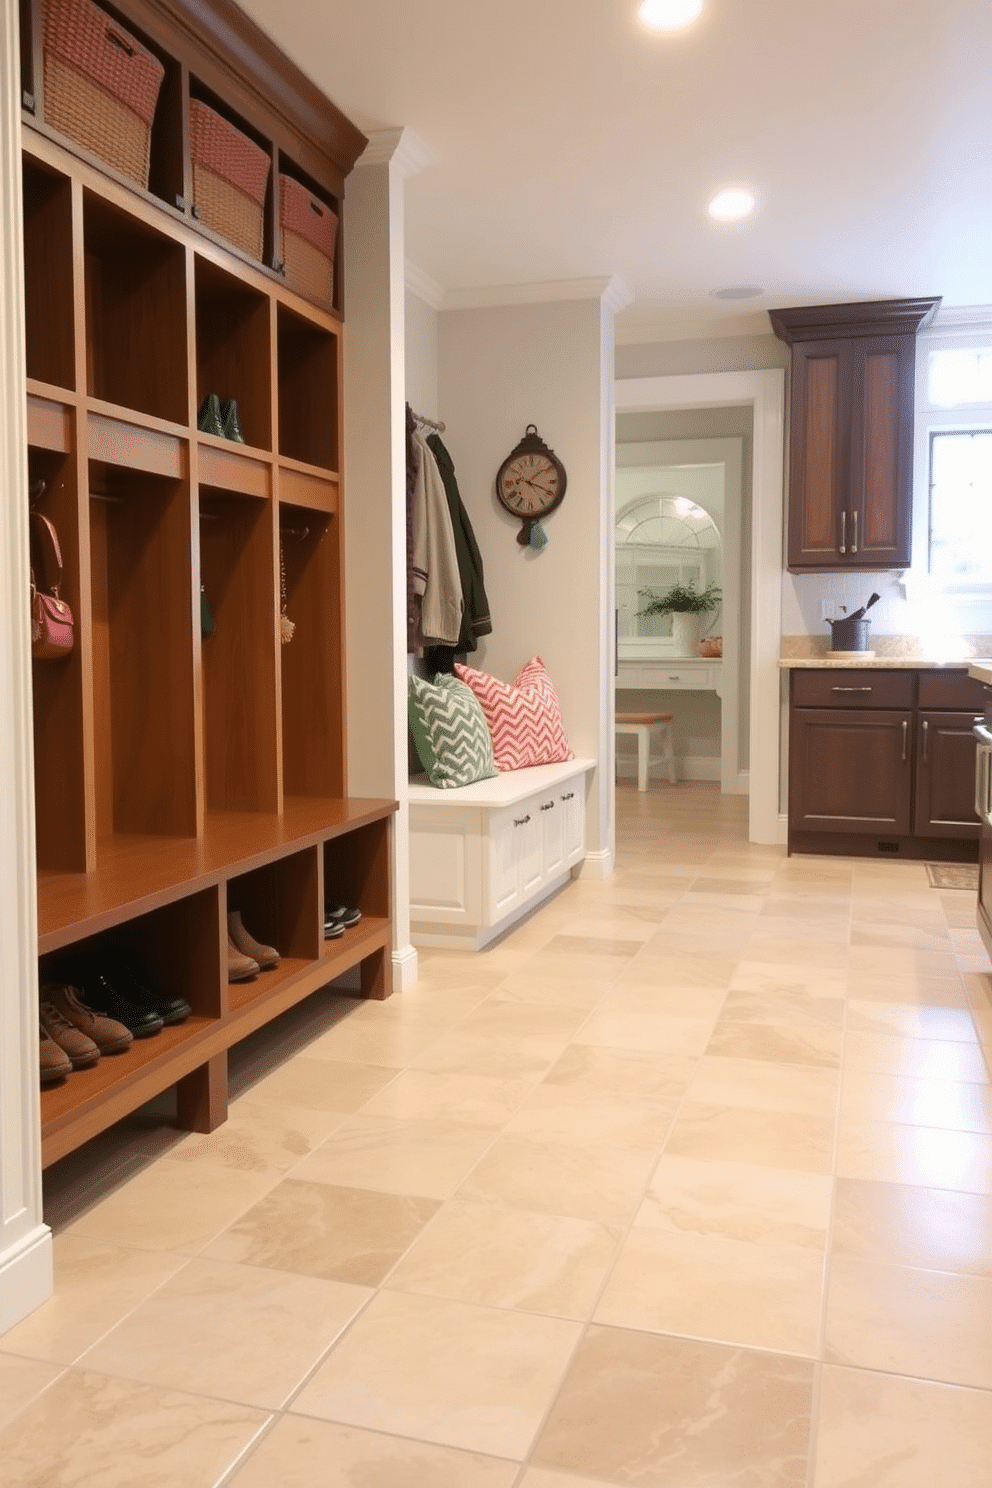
(170, 1007)
(240, 968)
(55, 1062)
(265, 956)
(106, 1034)
(99, 995)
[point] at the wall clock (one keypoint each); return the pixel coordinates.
(530, 483)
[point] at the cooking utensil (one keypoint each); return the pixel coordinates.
(858, 614)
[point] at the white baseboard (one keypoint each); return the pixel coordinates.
(687, 767)
(743, 782)
(26, 1277)
(597, 864)
(782, 829)
(406, 968)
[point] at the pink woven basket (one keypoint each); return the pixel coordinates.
(101, 85)
(230, 178)
(308, 230)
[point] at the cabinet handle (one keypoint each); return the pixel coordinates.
(926, 742)
(905, 738)
(521, 821)
(850, 689)
(854, 524)
(674, 677)
(843, 531)
(569, 797)
(548, 806)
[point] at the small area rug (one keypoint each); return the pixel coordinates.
(953, 875)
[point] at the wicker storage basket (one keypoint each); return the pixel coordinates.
(308, 231)
(230, 177)
(101, 85)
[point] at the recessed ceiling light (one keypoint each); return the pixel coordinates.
(737, 292)
(668, 15)
(732, 204)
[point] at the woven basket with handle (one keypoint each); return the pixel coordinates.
(101, 85)
(230, 179)
(308, 230)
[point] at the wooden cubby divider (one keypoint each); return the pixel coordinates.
(183, 771)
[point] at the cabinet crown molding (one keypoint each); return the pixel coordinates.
(861, 318)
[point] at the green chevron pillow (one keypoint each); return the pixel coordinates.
(450, 731)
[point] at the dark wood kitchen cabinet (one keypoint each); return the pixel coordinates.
(882, 763)
(851, 432)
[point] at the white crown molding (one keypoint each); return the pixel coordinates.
(961, 318)
(423, 286)
(400, 147)
(486, 296)
(646, 326)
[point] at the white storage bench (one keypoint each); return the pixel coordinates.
(483, 855)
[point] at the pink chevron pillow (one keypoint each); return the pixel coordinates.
(524, 717)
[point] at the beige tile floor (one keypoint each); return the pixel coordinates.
(685, 1184)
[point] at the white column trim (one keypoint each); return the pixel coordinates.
(25, 1243)
(764, 391)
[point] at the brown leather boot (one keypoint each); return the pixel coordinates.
(265, 956)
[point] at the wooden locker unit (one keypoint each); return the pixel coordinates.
(183, 770)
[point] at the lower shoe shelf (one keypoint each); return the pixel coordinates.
(283, 880)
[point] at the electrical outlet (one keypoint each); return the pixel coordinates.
(828, 609)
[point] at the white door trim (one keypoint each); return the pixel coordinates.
(764, 392)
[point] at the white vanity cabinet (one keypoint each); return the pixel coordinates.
(484, 855)
(680, 674)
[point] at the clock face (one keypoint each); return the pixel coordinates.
(530, 485)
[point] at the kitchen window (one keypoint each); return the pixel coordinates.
(953, 527)
(961, 506)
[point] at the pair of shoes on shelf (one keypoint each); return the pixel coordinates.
(118, 990)
(220, 419)
(246, 956)
(75, 1032)
(338, 918)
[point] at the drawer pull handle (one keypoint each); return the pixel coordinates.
(843, 531)
(675, 677)
(569, 797)
(548, 806)
(854, 540)
(926, 742)
(850, 689)
(905, 738)
(521, 821)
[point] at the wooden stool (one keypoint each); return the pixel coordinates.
(643, 725)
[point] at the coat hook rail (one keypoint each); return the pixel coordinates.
(297, 533)
(427, 423)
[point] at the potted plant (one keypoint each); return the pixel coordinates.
(685, 603)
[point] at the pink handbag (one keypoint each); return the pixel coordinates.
(51, 618)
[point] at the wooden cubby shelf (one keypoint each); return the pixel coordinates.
(188, 763)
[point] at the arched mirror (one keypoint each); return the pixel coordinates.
(662, 540)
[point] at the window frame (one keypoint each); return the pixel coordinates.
(974, 334)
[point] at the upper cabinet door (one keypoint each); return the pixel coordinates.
(851, 436)
(881, 489)
(819, 453)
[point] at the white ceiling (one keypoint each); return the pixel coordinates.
(569, 143)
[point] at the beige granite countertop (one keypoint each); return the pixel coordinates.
(890, 653)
